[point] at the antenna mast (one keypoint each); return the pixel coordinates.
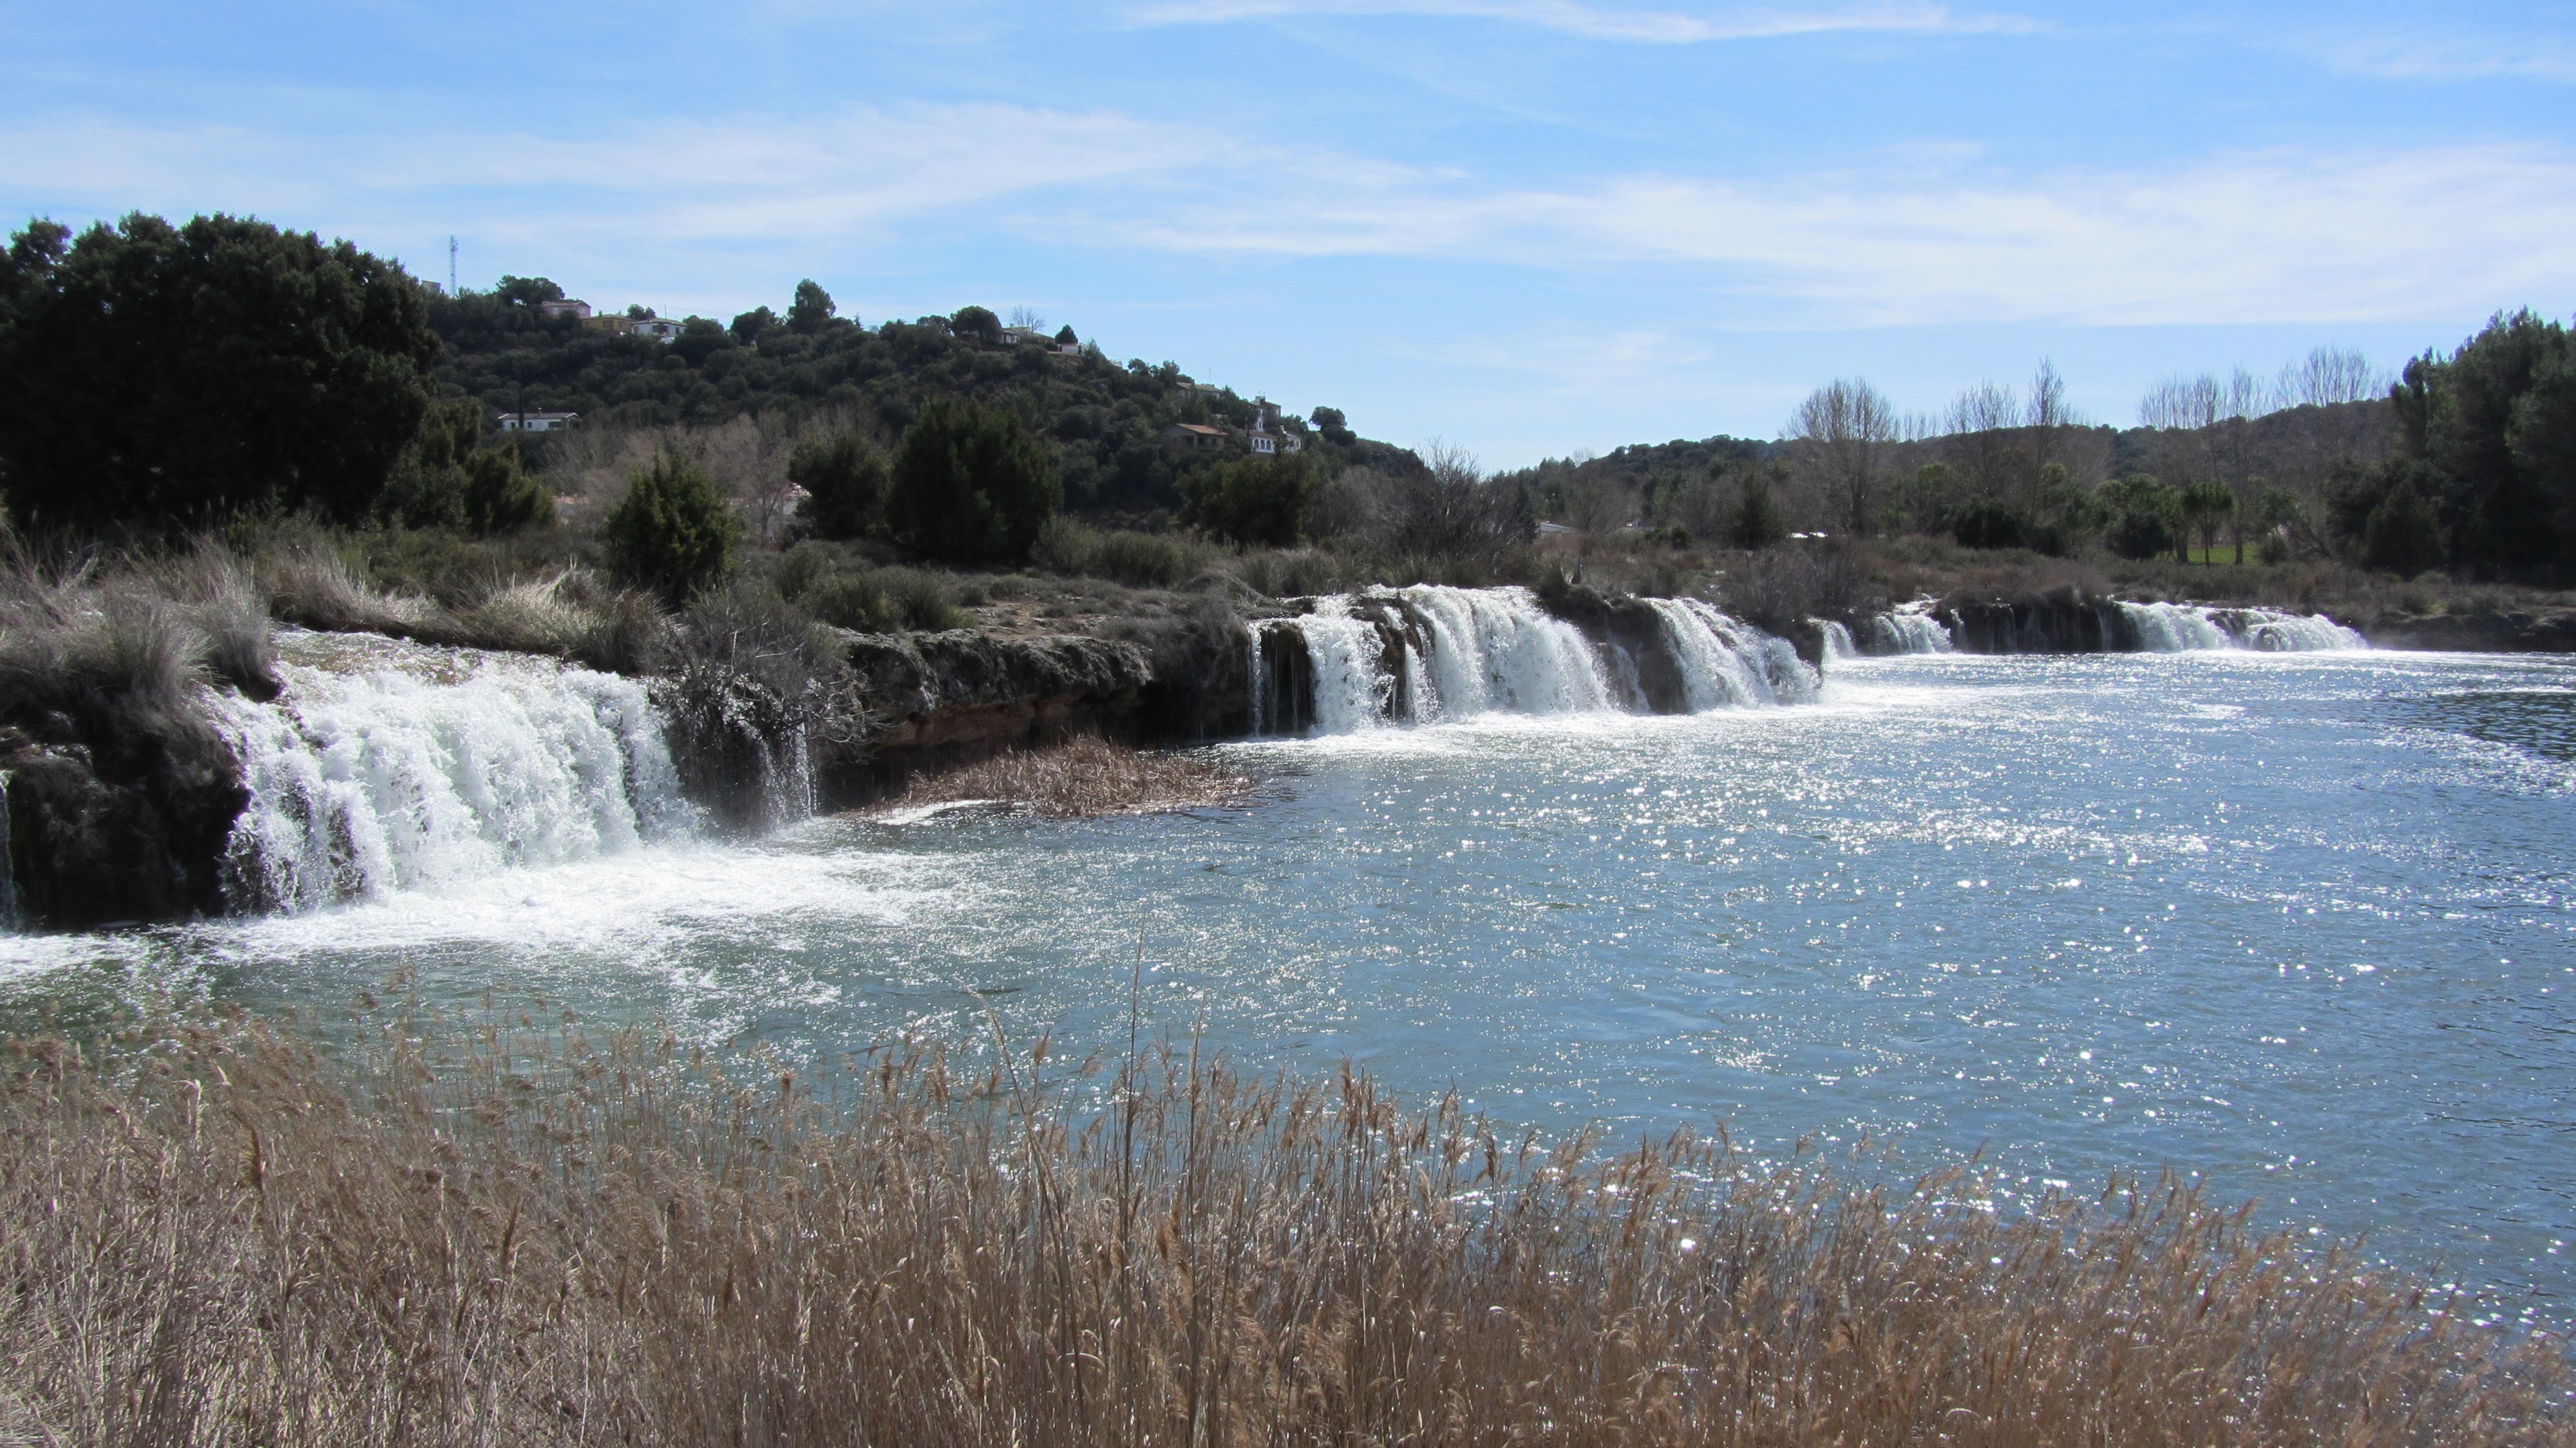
(451, 264)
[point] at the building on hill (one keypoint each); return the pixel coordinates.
(539, 421)
(573, 307)
(660, 329)
(1184, 438)
(1267, 438)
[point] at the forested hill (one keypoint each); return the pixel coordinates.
(1102, 419)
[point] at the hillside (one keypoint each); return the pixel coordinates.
(1102, 419)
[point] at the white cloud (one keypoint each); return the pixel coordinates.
(2443, 56)
(2259, 237)
(1596, 22)
(2432, 232)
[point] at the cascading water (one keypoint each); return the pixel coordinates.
(1428, 654)
(1909, 628)
(1730, 664)
(1838, 639)
(374, 779)
(2168, 628)
(1495, 650)
(1352, 685)
(9, 910)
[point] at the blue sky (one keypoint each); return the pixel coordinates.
(1524, 226)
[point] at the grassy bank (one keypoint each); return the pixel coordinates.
(1082, 777)
(517, 1233)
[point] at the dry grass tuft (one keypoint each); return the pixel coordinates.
(1077, 779)
(529, 1236)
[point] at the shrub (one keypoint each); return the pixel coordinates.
(971, 485)
(1989, 525)
(844, 477)
(2403, 534)
(2140, 536)
(1757, 522)
(672, 533)
(1251, 502)
(884, 600)
(501, 497)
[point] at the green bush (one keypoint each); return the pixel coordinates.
(500, 497)
(1757, 523)
(971, 485)
(2404, 535)
(1251, 502)
(672, 533)
(844, 477)
(883, 600)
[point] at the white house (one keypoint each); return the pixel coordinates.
(539, 421)
(1268, 440)
(573, 307)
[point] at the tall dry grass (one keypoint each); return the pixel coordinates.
(1081, 777)
(529, 1235)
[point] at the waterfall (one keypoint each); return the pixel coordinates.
(1495, 649)
(1352, 686)
(2167, 628)
(1838, 639)
(10, 914)
(1909, 628)
(1727, 663)
(1429, 654)
(2286, 633)
(1260, 680)
(377, 779)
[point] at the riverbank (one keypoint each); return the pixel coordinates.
(156, 702)
(508, 1229)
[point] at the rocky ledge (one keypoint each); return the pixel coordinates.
(939, 700)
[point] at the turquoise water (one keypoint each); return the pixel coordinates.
(2299, 923)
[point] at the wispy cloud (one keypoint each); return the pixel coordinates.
(2444, 55)
(1597, 22)
(2264, 236)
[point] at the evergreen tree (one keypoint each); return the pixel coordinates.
(970, 485)
(844, 477)
(2404, 534)
(160, 375)
(1252, 502)
(1757, 522)
(671, 533)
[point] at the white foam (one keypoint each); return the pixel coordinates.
(383, 779)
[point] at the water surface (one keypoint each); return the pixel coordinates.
(2299, 923)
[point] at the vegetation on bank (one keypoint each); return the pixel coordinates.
(906, 476)
(1080, 778)
(513, 1230)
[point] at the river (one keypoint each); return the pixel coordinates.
(2297, 923)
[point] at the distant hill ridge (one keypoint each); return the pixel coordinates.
(1103, 420)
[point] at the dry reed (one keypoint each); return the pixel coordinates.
(524, 1235)
(1082, 777)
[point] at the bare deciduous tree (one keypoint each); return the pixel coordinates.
(1841, 432)
(2330, 375)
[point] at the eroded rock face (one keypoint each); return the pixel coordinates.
(1631, 624)
(2061, 622)
(129, 829)
(950, 698)
(2485, 632)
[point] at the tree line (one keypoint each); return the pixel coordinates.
(156, 378)
(2465, 462)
